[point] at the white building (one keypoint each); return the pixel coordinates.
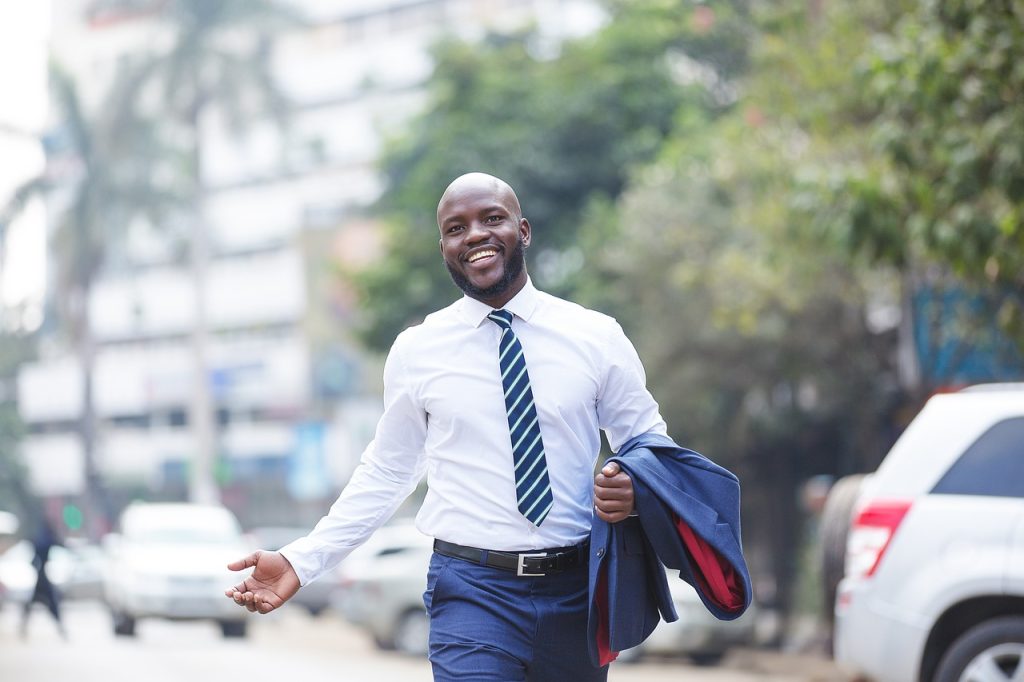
(24, 38)
(292, 407)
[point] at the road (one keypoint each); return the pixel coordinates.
(287, 646)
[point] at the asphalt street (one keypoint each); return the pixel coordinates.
(288, 646)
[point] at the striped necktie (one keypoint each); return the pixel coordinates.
(533, 487)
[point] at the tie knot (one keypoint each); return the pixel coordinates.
(502, 318)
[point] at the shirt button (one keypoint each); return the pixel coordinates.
(600, 552)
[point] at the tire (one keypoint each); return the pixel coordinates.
(234, 628)
(992, 650)
(383, 643)
(412, 634)
(836, 518)
(707, 658)
(124, 625)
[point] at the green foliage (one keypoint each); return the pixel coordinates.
(944, 96)
(564, 131)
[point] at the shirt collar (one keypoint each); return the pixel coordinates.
(522, 305)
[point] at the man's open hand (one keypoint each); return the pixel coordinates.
(272, 583)
(613, 493)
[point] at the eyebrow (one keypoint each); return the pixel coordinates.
(487, 209)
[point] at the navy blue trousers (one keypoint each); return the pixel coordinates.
(490, 624)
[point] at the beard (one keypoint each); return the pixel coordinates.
(513, 267)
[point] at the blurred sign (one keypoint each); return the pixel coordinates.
(307, 469)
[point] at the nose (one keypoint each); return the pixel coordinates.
(477, 231)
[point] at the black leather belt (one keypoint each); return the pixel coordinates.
(532, 563)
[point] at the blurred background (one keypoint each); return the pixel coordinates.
(216, 215)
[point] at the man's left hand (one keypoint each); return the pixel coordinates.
(613, 493)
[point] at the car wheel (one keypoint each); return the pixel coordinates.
(233, 628)
(836, 518)
(124, 625)
(707, 658)
(412, 633)
(989, 652)
(383, 643)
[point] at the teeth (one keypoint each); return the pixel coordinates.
(482, 254)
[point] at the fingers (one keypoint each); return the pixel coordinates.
(613, 493)
(245, 562)
(611, 476)
(613, 517)
(254, 600)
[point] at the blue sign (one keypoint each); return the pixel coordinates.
(308, 477)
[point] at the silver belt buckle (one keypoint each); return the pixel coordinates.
(521, 568)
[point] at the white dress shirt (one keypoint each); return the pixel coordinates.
(444, 416)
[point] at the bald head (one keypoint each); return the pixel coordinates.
(483, 237)
(480, 183)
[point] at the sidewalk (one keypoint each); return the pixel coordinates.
(808, 667)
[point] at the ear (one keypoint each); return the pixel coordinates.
(440, 245)
(525, 231)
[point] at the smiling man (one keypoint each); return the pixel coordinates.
(499, 399)
(489, 266)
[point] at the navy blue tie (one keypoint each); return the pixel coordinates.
(533, 487)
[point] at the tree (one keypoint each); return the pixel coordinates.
(217, 59)
(565, 132)
(938, 191)
(15, 348)
(949, 121)
(754, 329)
(105, 184)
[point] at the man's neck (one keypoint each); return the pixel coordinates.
(497, 302)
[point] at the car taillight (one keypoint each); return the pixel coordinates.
(870, 535)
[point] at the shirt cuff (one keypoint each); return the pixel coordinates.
(306, 558)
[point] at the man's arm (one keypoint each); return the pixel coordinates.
(625, 408)
(391, 467)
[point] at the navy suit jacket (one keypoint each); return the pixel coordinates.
(688, 519)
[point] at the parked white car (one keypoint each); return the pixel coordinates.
(382, 584)
(170, 561)
(933, 589)
(697, 634)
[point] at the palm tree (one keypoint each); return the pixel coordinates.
(217, 59)
(98, 180)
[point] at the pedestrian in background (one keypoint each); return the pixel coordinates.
(499, 399)
(44, 592)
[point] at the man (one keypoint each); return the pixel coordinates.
(44, 592)
(499, 399)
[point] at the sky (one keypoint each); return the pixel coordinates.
(24, 34)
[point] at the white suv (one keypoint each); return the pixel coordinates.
(934, 582)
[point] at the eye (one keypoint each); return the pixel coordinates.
(454, 228)
(493, 218)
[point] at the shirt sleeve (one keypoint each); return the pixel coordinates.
(625, 408)
(389, 469)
